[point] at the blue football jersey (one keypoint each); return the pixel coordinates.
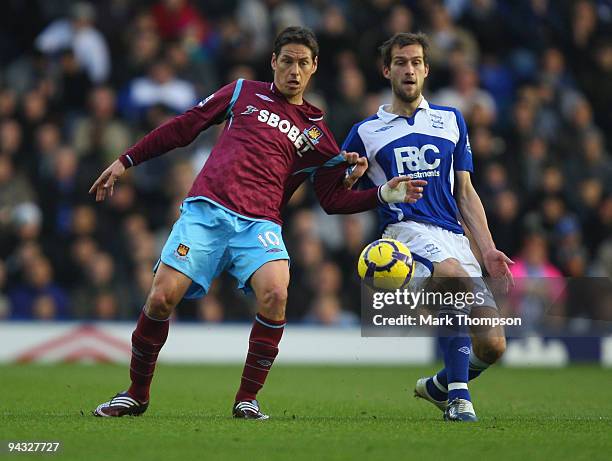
(430, 145)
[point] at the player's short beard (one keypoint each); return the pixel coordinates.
(402, 96)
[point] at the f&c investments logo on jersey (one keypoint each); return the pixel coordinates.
(414, 159)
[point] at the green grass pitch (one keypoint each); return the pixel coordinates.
(343, 413)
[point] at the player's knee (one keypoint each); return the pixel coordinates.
(275, 296)
(492, 350)
(160, 303)
(449, 276)
(450, 268)
(274, 300)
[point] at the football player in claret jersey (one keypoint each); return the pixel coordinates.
(420, 140)
(230, 221)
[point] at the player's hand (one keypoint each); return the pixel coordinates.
(402, 189)
(358, 168)
(105, 183)
(496, 263)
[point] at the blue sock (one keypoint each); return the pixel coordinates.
(437, 385)
(455, 343)
(456, 360)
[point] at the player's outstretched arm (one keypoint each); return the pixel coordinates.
(475, 219)
(182, 129)
(335, 198)
(104, 185)
(177, 132)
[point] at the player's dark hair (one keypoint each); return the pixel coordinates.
(401, 40)
(300, 35)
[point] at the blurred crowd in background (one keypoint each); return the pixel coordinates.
(81, 82)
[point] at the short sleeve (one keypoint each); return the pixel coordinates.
(462, 157)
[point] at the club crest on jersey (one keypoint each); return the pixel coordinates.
(314, 134)
(436, 120)
(182, 250)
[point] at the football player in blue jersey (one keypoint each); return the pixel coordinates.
(424, 141)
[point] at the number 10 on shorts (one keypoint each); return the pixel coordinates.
(269, 238)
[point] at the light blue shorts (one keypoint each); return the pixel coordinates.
(208, 239)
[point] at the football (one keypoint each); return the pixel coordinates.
(386, 264)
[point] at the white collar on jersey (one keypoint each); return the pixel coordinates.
(388, 117)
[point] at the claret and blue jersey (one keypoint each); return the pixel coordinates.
(432, 145)
(231, 219)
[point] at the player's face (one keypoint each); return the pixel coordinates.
(407, 72)
(293, 68)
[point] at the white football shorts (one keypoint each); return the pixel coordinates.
(434, 245)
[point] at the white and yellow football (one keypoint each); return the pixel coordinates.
(386, 264)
